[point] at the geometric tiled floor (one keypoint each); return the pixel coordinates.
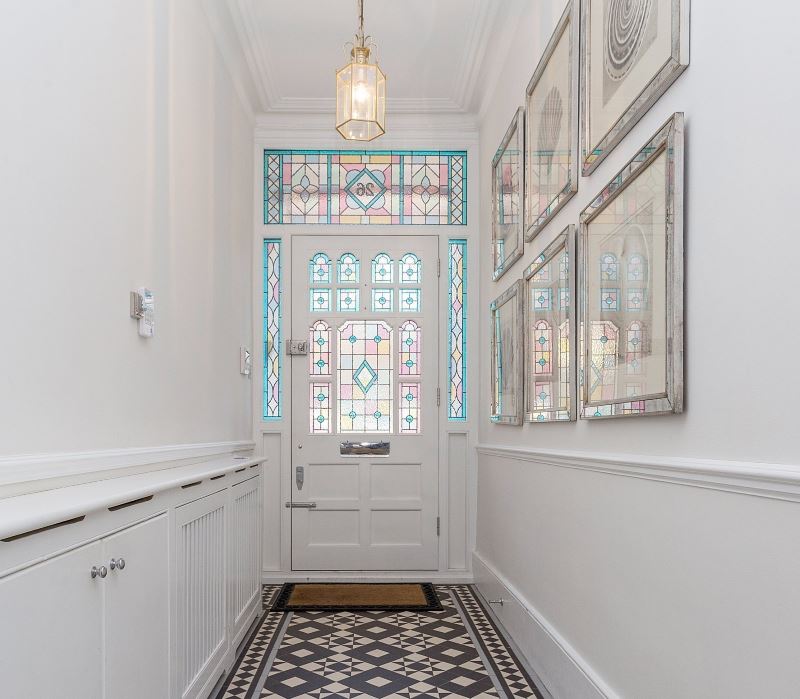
(456, 653)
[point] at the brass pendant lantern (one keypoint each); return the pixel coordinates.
(360, 92)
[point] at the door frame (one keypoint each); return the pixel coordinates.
(457, 455)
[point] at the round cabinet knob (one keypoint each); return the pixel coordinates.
(117, 563)
(101, 571)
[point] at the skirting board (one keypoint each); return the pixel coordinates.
(29, 473)
(563, 672)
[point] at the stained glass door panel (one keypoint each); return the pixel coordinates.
(368, 307)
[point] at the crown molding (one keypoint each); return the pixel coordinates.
(281, 130)
(465, 85)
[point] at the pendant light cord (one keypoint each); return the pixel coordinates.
(361, 20)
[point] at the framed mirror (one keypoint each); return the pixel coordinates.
(631, 279)
(507, 200)
(506, 353)
(551, 126)
(631, 52)
(550, 333)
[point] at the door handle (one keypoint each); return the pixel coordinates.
(304, 505)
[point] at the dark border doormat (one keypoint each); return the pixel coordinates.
(349, 597)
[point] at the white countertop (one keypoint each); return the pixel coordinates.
(24, 513)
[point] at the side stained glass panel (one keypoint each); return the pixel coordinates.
(272, 330)
(320, 412)
(410, 348)
(409, 408)
(457, 330)
(365, 381)
(365, 187)
(319, 351)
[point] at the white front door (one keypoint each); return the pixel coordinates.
(364, 402)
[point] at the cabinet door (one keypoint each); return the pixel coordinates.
(244, 541)
(136, 610)
(201, 629)
(51, 628)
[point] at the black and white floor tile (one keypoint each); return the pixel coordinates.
(457, 653)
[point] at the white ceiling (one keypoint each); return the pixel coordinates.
(430, 50)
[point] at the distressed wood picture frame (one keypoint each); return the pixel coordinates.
(631, 285)
(551, 125)
(508, 174)
(630, 54)
(551, 333)
(506, 352)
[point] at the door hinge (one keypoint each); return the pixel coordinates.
(438, 396)
(438, 526)
(439, 267)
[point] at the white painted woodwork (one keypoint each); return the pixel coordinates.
(51, 641)
(201, 631)
(372, 513)
(136, 619)
(244, 545)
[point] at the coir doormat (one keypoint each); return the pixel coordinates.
(346, 597)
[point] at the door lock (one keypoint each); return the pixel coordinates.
(296, 347)
(299, 476)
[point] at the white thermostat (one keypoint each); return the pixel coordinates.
(143, 308)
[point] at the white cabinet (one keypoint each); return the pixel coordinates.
(244, 544)
(51, 616)
(201, 625)
(70, 634)
(136, 619)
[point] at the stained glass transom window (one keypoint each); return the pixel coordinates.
(382, 269)
(365, 187)
(410, 269)
(319, 269)
(348, 269)
(320, 401)
(382, 300)
(272, 330)
(410, 348)
(319, 351)
(409, 408)
(365, 381)
(457, 330)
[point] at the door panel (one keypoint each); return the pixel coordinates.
(368, 307)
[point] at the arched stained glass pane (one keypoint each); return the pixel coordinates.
(634, 348)
(382, 269)
(348, 269)
(543, 275)
(636, 268)
(603, 360)
(319, 269)
(410, 269)
(542, 348)
(365, 376)
(609, 267)
(409, 408)
(319, 353)
(410, 348)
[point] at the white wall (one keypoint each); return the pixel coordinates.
(127, 161)
(663, 589)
